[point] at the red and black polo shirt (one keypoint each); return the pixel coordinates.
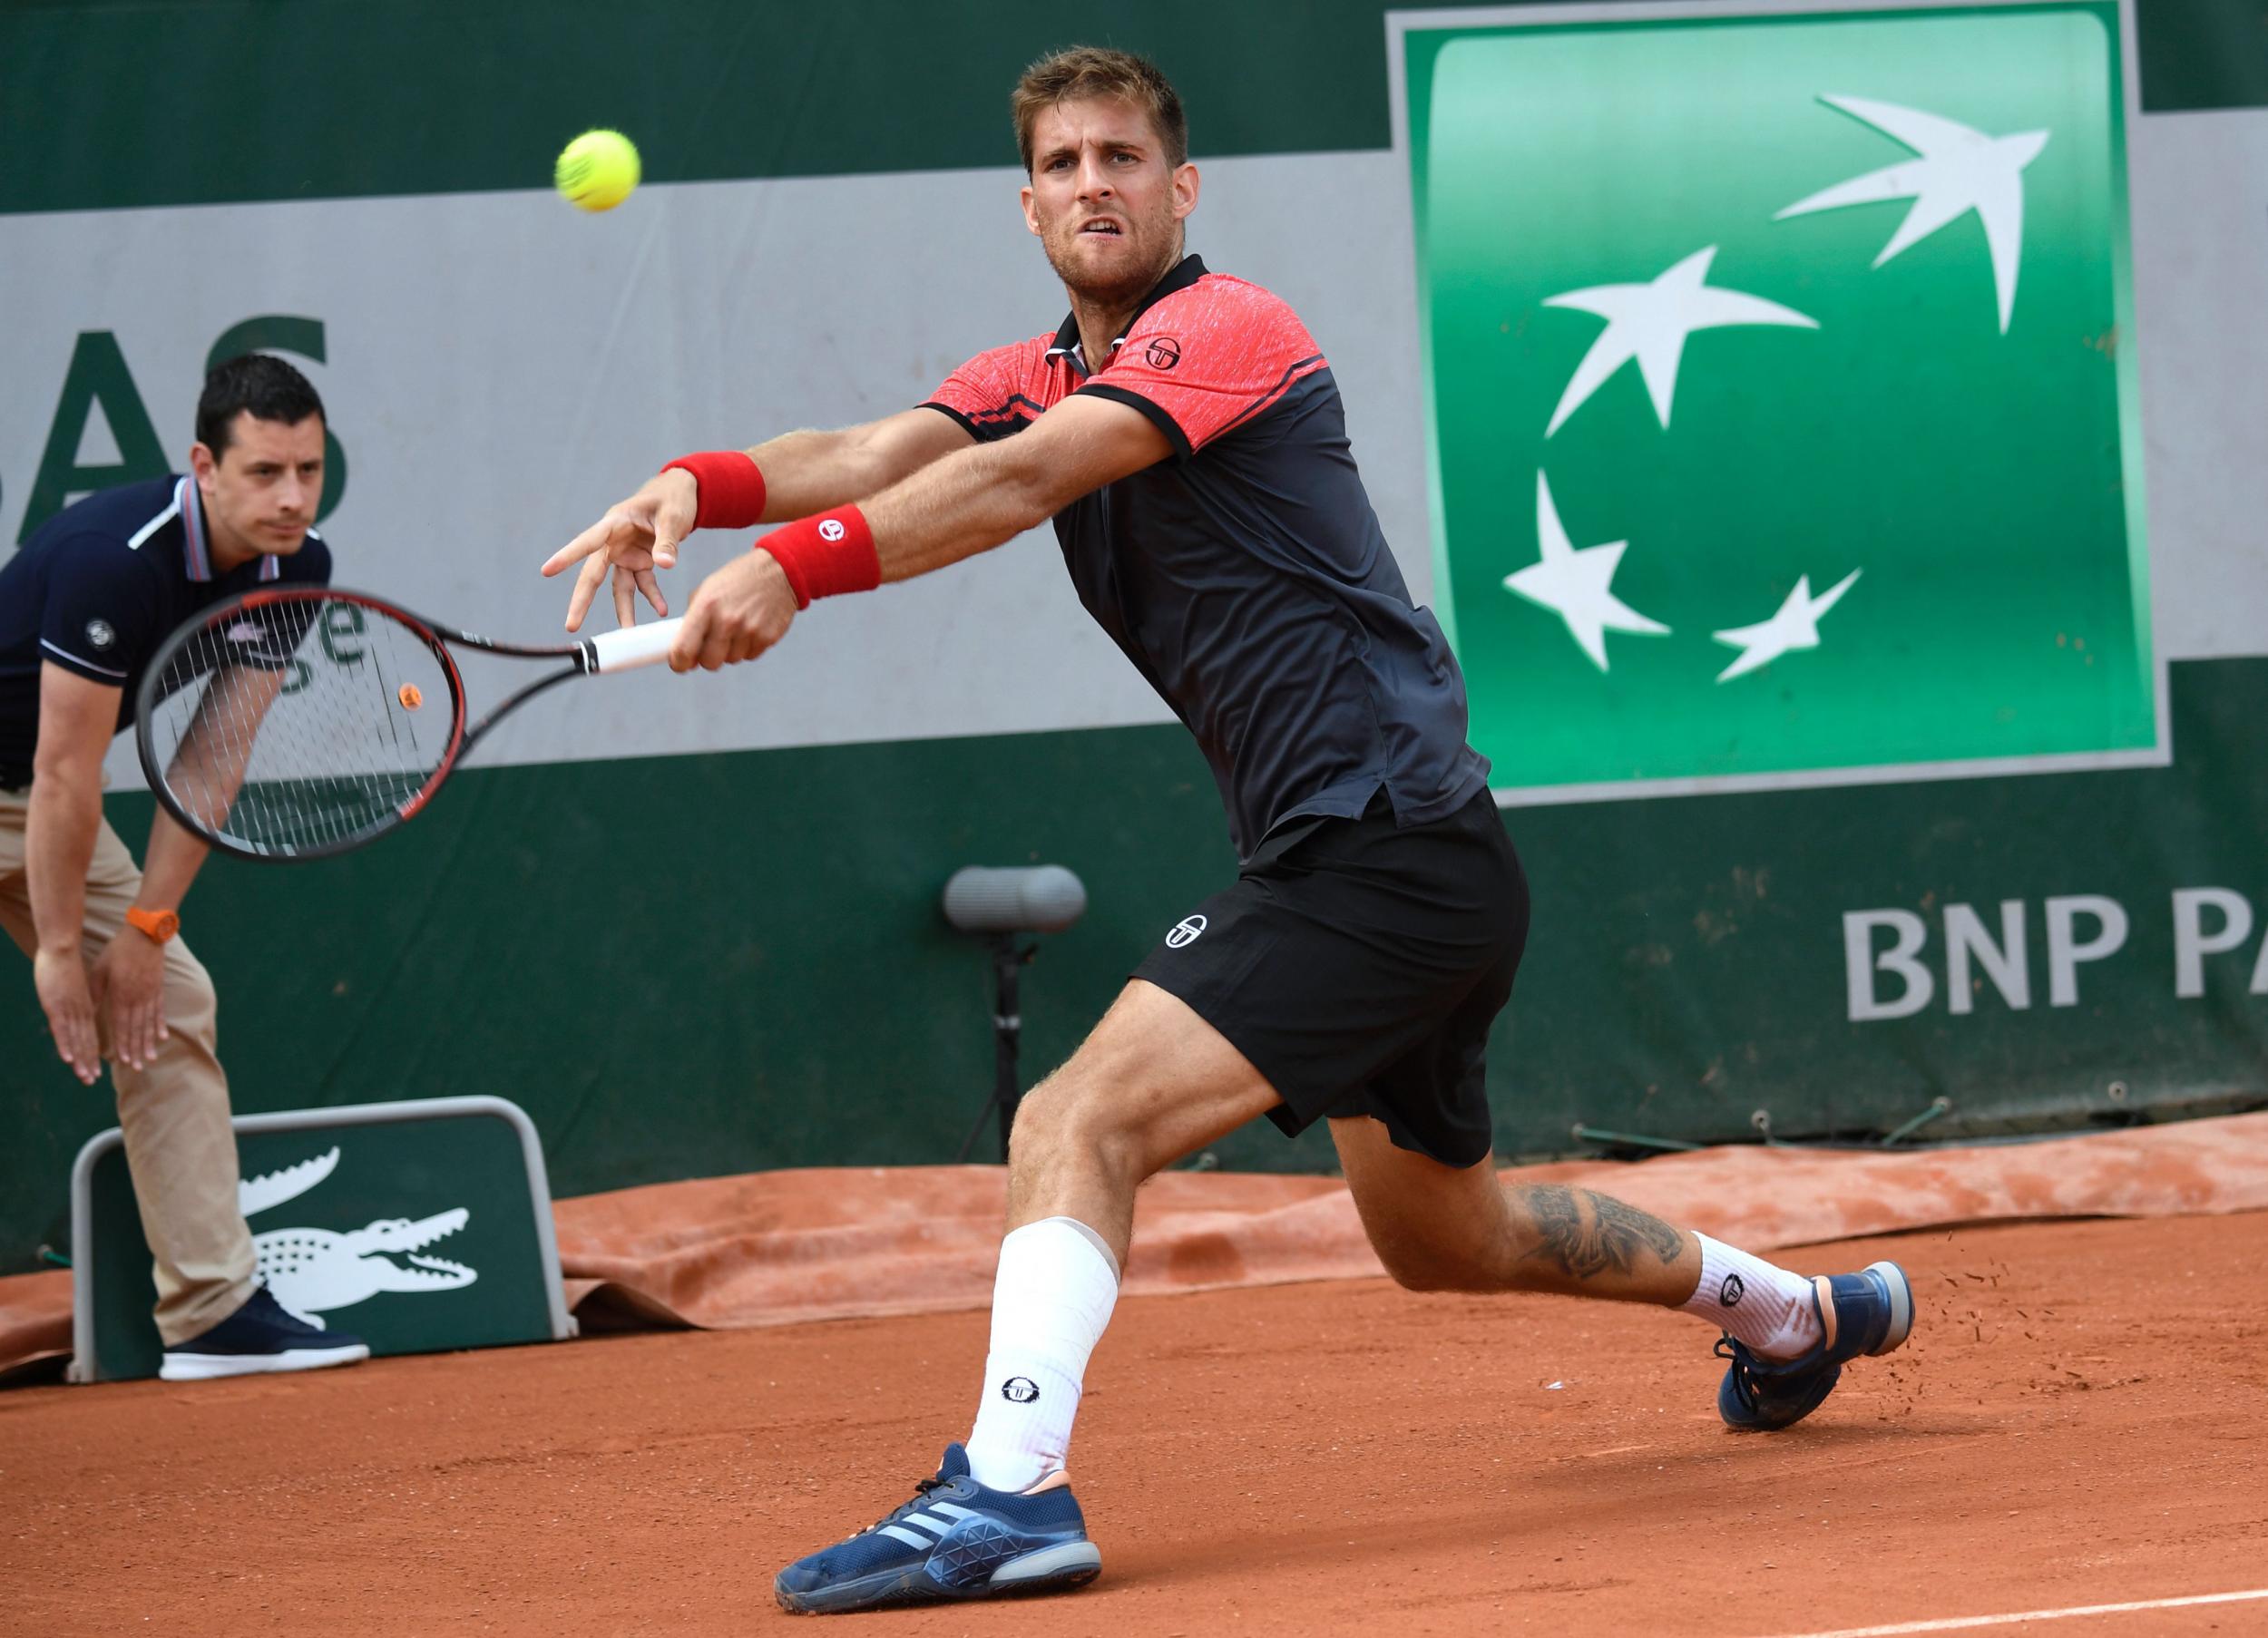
(1247, 578)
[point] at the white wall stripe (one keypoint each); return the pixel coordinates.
(1957, 1624)
(996, 646)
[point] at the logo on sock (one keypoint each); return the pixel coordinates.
(1731, 1292)
(1019, 1390)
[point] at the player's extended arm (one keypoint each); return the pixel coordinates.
(993, 492)
(77, 718)
(810, 472)
(950, 509)
(803, 473)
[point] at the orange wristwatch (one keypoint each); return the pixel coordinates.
(158, 924)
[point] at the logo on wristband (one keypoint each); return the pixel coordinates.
(831, 530)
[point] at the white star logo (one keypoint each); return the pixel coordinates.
(1961, 170)
(1650, 322)
(1795, 626)
(1574, 584)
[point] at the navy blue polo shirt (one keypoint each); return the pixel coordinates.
(101, 584)
(1247, 577)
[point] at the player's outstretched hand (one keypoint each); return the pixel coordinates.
(635, 538)
(740, 611)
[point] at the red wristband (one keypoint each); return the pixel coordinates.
(826, 555)
(731, 488)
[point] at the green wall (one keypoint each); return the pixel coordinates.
(462, 95)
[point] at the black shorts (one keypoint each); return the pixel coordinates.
(1358, 966)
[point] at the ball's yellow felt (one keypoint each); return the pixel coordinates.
(597, 171)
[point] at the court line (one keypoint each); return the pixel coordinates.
(1954, 1624)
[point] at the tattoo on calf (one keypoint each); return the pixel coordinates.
(1609, 1236)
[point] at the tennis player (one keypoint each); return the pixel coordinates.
(1185, 434)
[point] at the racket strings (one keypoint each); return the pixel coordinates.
(301, 725)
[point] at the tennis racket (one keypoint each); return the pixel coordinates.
(299, 722)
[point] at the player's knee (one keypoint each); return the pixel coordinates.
(1062, 1123)
(1042, 1130)
(1423, 1268)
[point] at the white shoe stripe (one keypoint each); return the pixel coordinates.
(908, 1537)
(952, 1511)
(927, 1522)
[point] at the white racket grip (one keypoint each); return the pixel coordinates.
(634, 646)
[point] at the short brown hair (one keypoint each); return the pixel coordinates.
(1087, 72)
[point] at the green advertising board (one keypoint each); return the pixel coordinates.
(418, 1227)
(1782, 393)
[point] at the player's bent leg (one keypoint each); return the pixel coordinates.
(1786, 1337)
(1446, 1228)
(1154, 1081)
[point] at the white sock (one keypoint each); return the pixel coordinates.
(1755, 1302)
(1051, 1298)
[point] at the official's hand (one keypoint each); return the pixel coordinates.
(739, 612)
(635, 538)
(67, 998)
(129, 986)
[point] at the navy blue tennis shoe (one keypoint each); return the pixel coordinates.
(260, 1336)
(955, 1540)
(1868, 1312)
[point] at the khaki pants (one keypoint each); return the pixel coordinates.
(180, 1145)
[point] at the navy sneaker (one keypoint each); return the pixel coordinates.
(1869, 1312)
(955, 1540)
(260, 1336)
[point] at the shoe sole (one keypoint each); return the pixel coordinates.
(1900, 1289)
(1056, 1569)
(207, 1367)
(1071, 1564)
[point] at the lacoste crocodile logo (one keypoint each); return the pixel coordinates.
(312, 1270)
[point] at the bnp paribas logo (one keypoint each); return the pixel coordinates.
(1782, 392)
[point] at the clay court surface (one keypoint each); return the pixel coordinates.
(2077, 1421)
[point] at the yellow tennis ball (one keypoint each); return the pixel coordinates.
(597, 171)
